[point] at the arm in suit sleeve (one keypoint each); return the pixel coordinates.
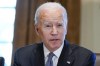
(91, 61)
(16, 63)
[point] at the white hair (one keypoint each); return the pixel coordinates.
(50, 5)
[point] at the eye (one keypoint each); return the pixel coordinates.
(48, 25)
(59, 25)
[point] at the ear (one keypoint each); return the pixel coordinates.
(66, 31)
(37, 30)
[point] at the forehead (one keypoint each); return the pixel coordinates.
(51, 14)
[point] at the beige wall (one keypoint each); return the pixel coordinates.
(90, 25)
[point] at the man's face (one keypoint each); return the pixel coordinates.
(51, 28)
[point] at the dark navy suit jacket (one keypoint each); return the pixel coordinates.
(71, 55)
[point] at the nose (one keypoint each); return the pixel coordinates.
(54, 31)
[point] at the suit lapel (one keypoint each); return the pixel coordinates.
(39, 56)
(66, 59)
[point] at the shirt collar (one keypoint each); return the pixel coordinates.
(57, 52)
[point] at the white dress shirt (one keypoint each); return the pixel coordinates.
(57, 54)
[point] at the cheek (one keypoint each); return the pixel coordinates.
(63, 34)
(43, 34)
(64, 31)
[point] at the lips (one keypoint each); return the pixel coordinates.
(54, 39)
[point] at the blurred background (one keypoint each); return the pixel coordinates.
(17, 24)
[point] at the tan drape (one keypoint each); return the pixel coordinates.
(24, 32)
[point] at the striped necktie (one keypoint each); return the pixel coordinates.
(49, 61)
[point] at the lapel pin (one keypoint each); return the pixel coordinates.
(68, 62)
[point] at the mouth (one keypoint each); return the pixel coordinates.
(54, 39)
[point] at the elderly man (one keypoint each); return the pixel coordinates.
(54, 50)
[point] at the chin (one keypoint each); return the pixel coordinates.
(56, 46)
